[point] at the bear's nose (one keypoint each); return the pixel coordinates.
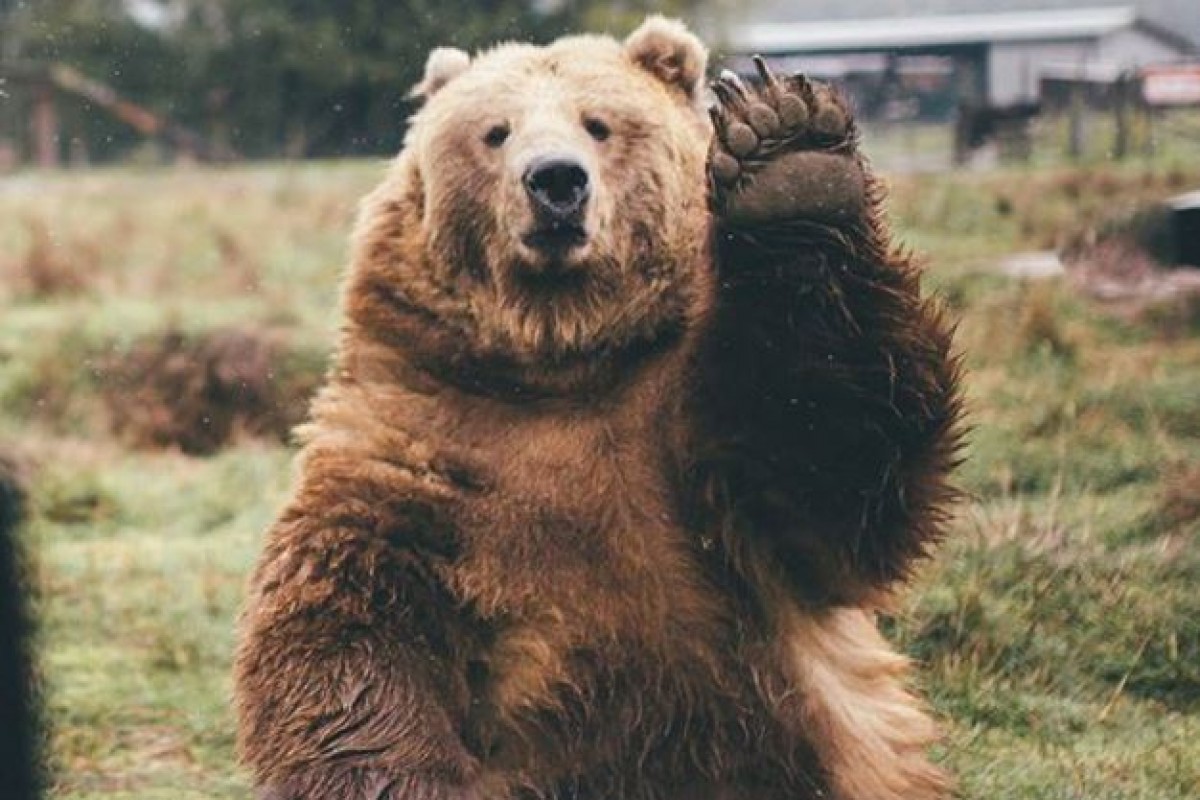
(558, 186)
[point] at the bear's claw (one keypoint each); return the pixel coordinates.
(783, 150)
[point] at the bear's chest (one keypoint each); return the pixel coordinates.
(605, 611)
(577, 559)
(580, 523)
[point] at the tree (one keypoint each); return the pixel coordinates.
(292, 77)
(98, 38)
(321, 78)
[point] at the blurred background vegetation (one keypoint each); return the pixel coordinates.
(222, 80)
(298, 78)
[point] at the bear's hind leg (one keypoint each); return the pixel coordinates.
(869, 732)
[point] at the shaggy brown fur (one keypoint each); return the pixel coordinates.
(609, 519)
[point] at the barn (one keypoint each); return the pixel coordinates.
(998, 59)
(989, 72)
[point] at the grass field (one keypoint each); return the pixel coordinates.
(1059, 628)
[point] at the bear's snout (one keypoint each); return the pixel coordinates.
(558, 188)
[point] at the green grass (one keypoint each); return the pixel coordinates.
(137, 603)
(1058, 629)
(1170, 139)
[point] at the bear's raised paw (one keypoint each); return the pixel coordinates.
(783, 150)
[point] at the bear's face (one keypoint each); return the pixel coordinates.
(564, 187)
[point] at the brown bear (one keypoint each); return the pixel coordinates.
(636, 419)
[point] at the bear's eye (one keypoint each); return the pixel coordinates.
(496, 135)
(597, 129)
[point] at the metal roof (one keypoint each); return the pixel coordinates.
(1185, 201)
(930, 32)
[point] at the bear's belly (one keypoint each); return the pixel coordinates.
(593, 592)
(613, 643)
(610, 719)
(615, 636)
(580, 525)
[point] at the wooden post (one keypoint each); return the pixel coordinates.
(44, 126)
(970, 84)
(1150, 143)
(1075, 121)
(1121, 111)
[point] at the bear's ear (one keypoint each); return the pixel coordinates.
(669, 51)
(444, 65)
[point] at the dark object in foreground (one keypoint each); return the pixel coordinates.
(1184, 212)
(1167, 232)
(17, 773)
(609, 516)
(1145, 265)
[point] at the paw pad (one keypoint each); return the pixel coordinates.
(783, 149)
(763, 119)
(753, 124)
(740, 139)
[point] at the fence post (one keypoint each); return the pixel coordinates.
(44, 126)
(1121, 110)
(1075, 122)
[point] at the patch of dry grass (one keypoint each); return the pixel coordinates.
(203, 392)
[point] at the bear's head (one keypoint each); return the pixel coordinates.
(561, 193)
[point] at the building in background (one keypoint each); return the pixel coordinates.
(1181, 17)
(986, 70)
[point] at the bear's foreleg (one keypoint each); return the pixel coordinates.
(829, 395)
(345, 679)
(828, 410)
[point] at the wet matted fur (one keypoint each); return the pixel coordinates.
(613, 520)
